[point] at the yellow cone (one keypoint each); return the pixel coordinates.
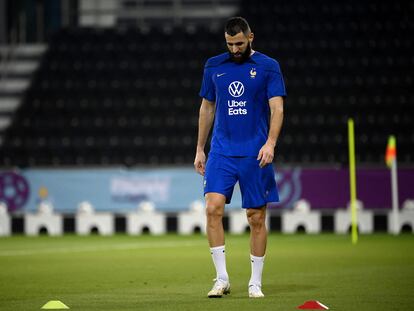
(55, 304)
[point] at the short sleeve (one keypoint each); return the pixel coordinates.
(207, 87)
(275, 83)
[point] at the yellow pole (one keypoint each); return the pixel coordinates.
(352, 180)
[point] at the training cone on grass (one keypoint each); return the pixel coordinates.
(313, 305)
(55, 304)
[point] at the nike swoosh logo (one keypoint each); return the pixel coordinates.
(220, 74)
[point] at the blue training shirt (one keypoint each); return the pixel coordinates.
(241, 93)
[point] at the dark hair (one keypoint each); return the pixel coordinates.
(235, 25)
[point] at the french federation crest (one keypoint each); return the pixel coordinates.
(253, 73)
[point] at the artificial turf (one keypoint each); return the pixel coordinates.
(174, 272)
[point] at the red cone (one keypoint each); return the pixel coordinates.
(313, 305)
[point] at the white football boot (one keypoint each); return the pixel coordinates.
(219, 289)
(255, 291)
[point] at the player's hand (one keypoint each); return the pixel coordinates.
(200, 162)
(266, 154)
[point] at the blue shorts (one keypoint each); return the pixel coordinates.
(257, 185)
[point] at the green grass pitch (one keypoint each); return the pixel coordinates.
(173, 272)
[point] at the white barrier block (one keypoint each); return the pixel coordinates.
(43, 219)
(238, 221)
(301, 216)
(292, 220)
(87, 219)
(146, 217)
(343, 221)
(405, 217)
(5, 222)
(193, 218)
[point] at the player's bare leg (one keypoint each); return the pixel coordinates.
(214, 211)
(258, 232)
(258, 240)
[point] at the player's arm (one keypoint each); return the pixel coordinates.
(266, 153)
(205, 121)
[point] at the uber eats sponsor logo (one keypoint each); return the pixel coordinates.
(235, 107)
(236, 89)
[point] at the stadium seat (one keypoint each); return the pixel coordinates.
(129, 96)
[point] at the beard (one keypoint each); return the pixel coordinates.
(241, 57)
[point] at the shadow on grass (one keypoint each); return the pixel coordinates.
(289, 288)
(271, 290)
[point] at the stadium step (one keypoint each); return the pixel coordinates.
(17, 67)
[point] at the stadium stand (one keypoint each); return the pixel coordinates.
(341, 59)
(129, 96)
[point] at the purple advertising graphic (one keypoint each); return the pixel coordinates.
(175, 189)
(329, 188)
(14, 190)
(289, 186)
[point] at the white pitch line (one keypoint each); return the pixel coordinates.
(96, 248)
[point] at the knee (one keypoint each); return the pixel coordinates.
(256, 219)
(214, 212)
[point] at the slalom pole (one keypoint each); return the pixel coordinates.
(391, 160)
(394, 185)
(352, 180)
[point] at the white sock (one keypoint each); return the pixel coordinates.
(257, 269)
(219, 258)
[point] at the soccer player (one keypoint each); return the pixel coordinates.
(242, 93)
